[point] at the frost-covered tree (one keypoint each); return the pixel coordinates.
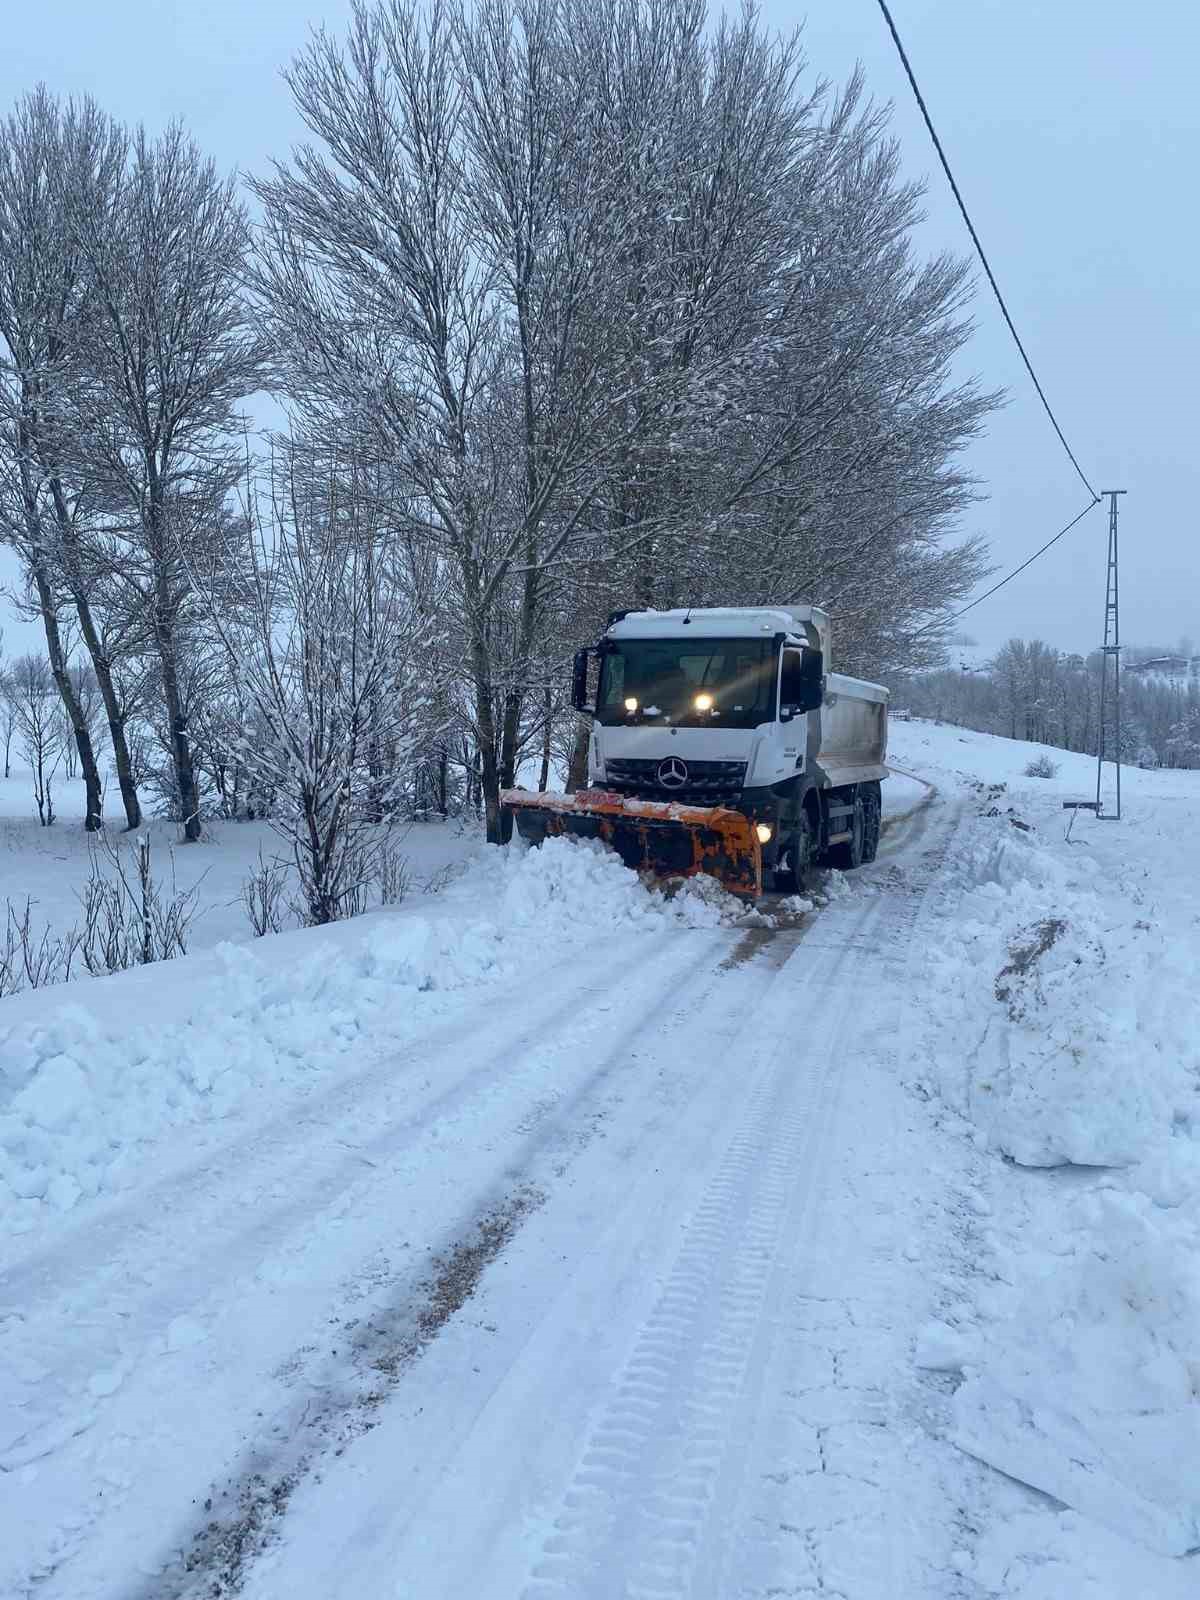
(47, 154)
(8, 710)
(628, 309)
(1031, 691)
(30, 690)
(171, 351)
(1182, 744)
(327, 661)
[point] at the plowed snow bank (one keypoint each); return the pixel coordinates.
(1064, 1023)
(81, 1097)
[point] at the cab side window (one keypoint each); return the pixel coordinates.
(791, 682)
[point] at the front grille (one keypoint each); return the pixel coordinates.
(707, 783)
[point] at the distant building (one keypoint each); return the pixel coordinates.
(1167, 666)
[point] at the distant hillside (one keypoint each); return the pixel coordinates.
(1028, 690)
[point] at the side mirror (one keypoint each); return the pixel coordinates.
(579, 684)
(801, 684)
(812, 680)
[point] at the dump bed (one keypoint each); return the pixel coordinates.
(853, 730)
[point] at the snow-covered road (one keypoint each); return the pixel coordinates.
(649, 1205)
(679, 1377)
(552, 1240)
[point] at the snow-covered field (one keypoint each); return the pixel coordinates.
(546, 1237)
(51, 866)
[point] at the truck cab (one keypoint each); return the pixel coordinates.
(735, 707)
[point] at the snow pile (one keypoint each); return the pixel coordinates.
(1053, 1028)
(568, 883)
(80, 1099)
(1090, 1389)
(1065, 1025)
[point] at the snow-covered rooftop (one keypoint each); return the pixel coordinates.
(719, 622)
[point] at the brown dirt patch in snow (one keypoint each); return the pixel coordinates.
(453, 1280)
(370, 1359)
(1023, 957)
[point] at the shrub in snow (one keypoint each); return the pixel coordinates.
(1042, 767)
(127, 919)
(263, 896)
(28, 961)
(393, 877)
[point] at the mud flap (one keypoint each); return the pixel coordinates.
(661, 837)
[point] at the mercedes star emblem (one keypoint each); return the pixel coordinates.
(672, 773)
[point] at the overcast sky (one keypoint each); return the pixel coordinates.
(1073, 127)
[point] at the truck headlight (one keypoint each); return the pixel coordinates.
(764, 830)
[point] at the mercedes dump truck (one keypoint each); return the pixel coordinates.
(722, 743)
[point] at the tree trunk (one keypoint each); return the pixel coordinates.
(181, 749)
(93, 817)
(112, 711)
(509, 732)
(489, 765)
(165, 617)
(489, 783)
(577, 772)
(486, 741)
(100, 662)
(514, 698)
(544, 774)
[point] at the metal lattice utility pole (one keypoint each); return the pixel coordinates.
(1111, 651)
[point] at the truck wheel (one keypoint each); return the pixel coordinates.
(873, 806)
(850, 854)
(796, 859)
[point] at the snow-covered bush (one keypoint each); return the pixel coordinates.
(1042, 767)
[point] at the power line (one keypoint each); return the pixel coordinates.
(1015, 573)
(937, 144)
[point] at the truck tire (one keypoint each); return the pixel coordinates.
(850, 853)
(873, 806)
(796, 859)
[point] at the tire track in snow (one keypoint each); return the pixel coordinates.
(344, 1399)
(235, 1533)
(233, 1235)
(633, 1518)
(709, 1384)
(831, 1412)
(217, 1178)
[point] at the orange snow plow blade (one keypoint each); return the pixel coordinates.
(659, 836)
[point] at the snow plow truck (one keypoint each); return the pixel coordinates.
(721, 743)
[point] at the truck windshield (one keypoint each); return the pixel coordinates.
(726, 682)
